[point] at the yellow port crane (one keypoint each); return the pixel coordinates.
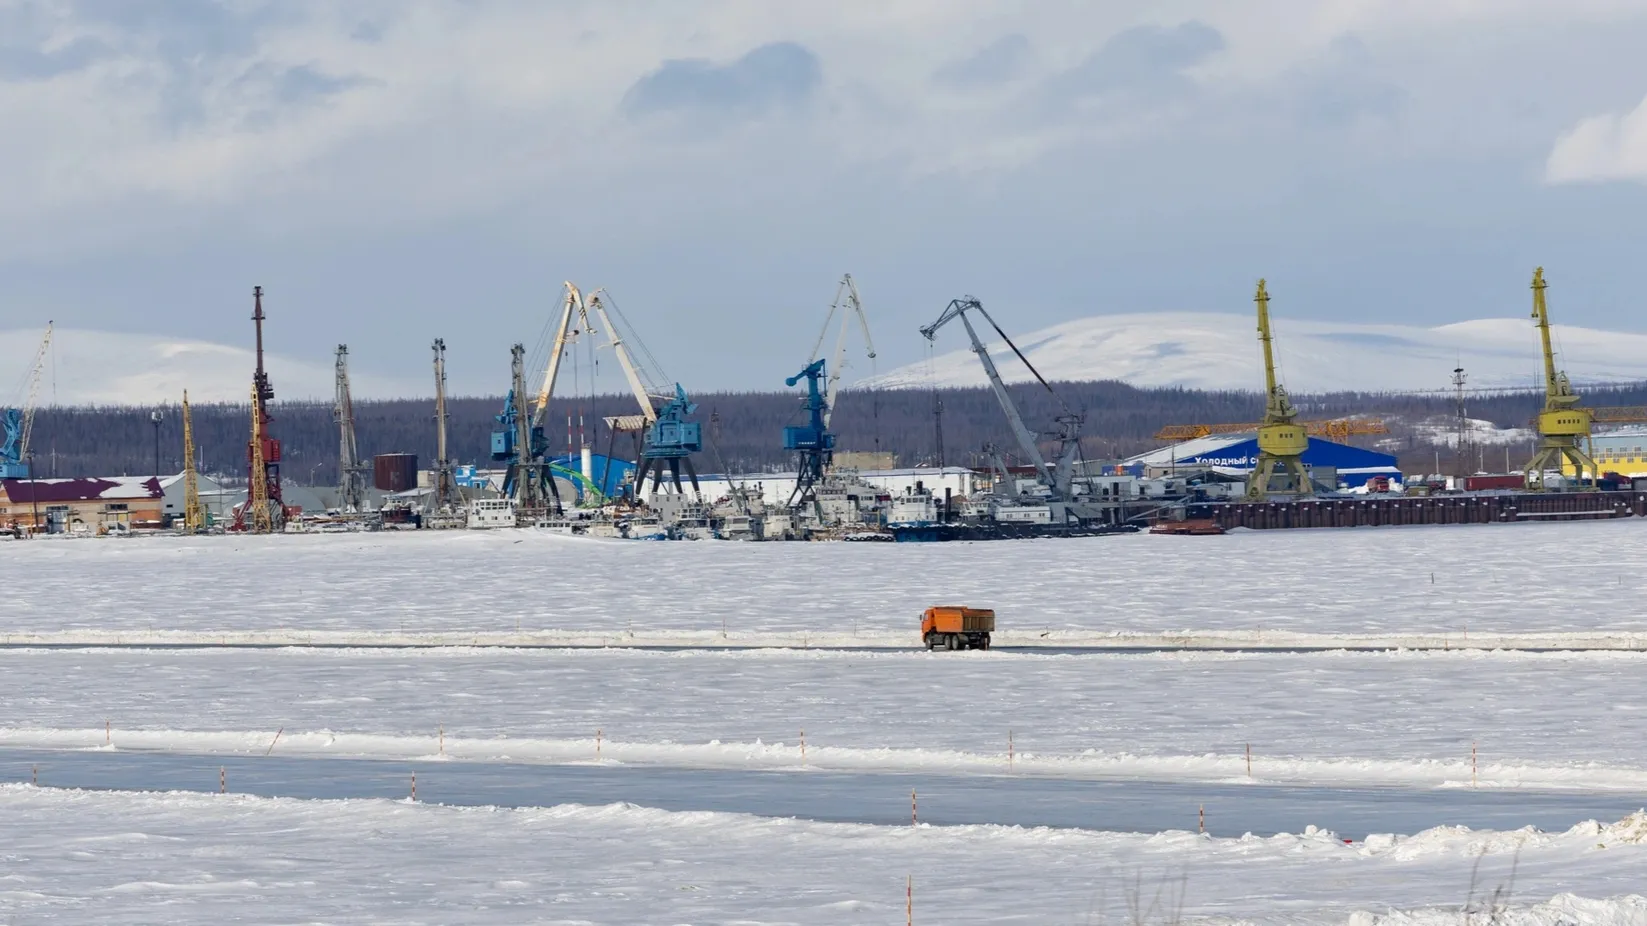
(1563, 424)
(1282, 440)
(257, 491)
(194, 514)
(1331, 428)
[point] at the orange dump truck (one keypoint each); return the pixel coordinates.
(955, 627)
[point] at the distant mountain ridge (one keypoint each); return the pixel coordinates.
(1205, 350)
(90, 367)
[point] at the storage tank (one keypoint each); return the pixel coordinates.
(394, 472)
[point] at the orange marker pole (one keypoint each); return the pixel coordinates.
(274, 741)
(1473, 766)
(108, 732)
(909, 900)
(34, 779)
(914, 818)
(222, 780)
(1203, 822)
(443, 739)
(803, 745)
(1249, 760)
(414, 786)
(597, 745)
(1009, 749)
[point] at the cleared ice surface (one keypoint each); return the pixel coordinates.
(1543, 577)
(94, 858)
(1563, 719)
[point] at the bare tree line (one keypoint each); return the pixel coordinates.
(742, 430)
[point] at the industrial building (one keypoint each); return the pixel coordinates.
(81, 505)
(1235, 455)
(1623, 452)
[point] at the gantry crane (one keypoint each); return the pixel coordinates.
(1282, 440)
(812, 443)
(1060, 475)
(1563, 424)
(18, 423)
(670, 439)
(351, 472)
(848, 305)
(1337, 429)
(446, 499)
(194, 514)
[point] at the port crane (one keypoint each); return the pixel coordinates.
(18, 423)
(670, 439)
(1060, 474)
(1564, 423)
(263, 451)
(848, 305)
(351, 472)
(446, 499)
(1282, 439)
(194, 514)
(813, 443)
(519, 443)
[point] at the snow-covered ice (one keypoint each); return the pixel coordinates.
(1514, 577)
(1559, 720)
(1538, 719)
(183, 859)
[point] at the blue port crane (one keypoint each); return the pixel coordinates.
(813, 443)
(670, 442)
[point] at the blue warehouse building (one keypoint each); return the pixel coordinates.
(1236, 454)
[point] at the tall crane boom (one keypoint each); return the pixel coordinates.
(18, 423)
(597, 301)
(1026, 439)
(572, 307)
(351, 473)
(446, 498)
(194, 514)
(849, 305)
(1282, 441)
(1563, 425)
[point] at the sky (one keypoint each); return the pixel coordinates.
(391, 171)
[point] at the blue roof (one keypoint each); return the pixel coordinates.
(1242, 453)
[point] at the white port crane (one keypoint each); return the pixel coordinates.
(847, 304)
(1060, 477)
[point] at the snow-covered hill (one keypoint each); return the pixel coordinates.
(1220, 351)
(111, 368)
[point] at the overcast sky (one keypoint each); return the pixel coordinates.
(400, 170)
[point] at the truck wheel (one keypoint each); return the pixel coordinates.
(950, 642)
(984, 643)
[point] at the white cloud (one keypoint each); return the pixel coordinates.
(1599, 148)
